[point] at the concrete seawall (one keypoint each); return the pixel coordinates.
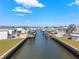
(10, 52)
(71, 49)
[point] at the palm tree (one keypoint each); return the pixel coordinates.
(70, 29)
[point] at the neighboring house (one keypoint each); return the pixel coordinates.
(12, 33)
(3, 34)
(21, 30)
(60, 31)
(22, 33)
(54, 30)
(44, 29)
(34, 28)
(8, 33)
(77, 30)
(60, 34)
(74, 36)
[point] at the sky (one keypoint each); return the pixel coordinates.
(39, 12)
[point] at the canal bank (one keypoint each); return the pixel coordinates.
(42, 48)
(70, 48)
(66, 45)
(10, 52)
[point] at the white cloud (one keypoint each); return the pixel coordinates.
(22, 10)
(76, 2)
(29, 3)
(25, 5)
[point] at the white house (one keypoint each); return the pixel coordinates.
(21, 30)
(6, 33)
(60, 34)
(3, 34)
(11, 32)
(74, 36)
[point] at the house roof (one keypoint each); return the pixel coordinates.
(75, 34)
(2, 30)
(7, 28)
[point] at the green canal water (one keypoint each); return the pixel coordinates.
(41, 48)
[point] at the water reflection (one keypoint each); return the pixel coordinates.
(40, 48)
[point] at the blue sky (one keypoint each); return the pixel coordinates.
(39, 12)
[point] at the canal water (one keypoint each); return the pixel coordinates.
(41, 48)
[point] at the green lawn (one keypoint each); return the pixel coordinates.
(66, 40)
(5, 45)
(71, 42)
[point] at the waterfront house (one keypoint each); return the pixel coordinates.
(3, 34)
(22, 33)
(74, 36)
(21, 30)
(11, 32)
(60, 32)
